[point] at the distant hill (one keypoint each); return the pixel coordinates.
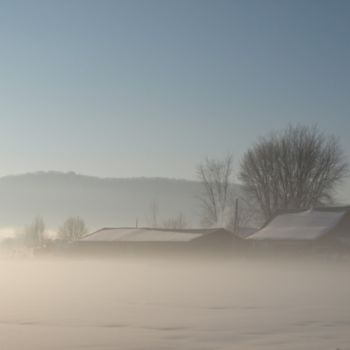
(99, 201)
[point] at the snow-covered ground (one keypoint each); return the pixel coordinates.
(166, 305)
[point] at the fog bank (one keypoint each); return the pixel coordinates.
(155, 304)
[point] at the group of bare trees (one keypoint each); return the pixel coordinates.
(35, 235)
(177, 222)
(298, 167)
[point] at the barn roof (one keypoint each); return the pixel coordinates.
(302, 225)
(148, 235)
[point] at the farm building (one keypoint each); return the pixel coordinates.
(327, 226)
(140, 240)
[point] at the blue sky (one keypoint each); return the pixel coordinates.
(149, 88)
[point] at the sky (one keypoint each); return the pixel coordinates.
(150, 88)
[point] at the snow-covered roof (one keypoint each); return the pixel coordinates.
(304, 225)
(144, 235)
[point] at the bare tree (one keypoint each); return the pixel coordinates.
(245, 213)
(216, 198)
(296, 168)
(72, 229)
(178, 222)
(154, 211)
(34, 234)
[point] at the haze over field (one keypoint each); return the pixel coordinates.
(154, 304)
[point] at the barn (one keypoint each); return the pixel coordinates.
(324, 226)
(128, 240)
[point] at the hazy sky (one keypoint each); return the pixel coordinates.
(149, 88)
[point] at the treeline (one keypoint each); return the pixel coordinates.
(36, 236)
(295, 168)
